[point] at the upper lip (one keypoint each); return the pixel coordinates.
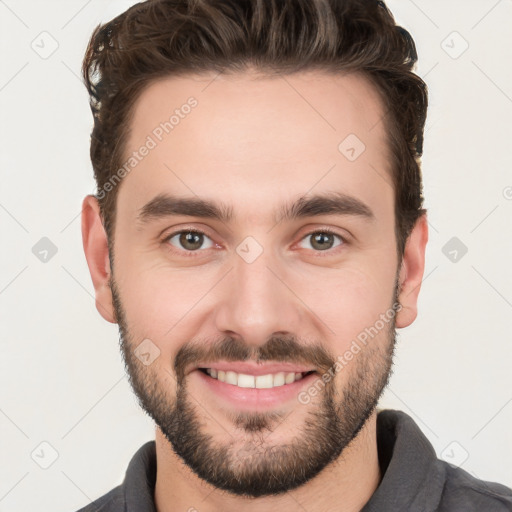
(251, 368)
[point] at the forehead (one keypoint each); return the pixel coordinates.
(253, 139)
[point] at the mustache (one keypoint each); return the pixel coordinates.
(232, 349)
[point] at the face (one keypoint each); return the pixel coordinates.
(285, 257)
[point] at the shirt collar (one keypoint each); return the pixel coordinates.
(412, 477)
(140, 480)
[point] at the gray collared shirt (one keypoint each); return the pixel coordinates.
(414, 479)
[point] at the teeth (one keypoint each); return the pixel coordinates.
(265, 381)
(290, 377)
(231, 378)
(279, 379)
(246, 381)
(271, 380)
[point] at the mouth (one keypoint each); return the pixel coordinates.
(264, 381)
(262, 390)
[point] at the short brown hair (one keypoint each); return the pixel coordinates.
(164, 38)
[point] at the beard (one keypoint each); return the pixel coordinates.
(251, 465)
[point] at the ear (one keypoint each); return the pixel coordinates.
(95, 244)
(411, 272)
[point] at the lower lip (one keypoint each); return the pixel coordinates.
(253, 398)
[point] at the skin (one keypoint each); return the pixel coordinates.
(255, 144)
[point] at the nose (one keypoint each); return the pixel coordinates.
(257, 302)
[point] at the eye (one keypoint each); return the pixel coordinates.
(323, 240)
(189, 240)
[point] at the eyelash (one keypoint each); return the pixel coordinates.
(191, 254)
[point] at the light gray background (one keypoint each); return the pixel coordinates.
(62, 379)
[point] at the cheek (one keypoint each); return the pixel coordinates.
(159, 303)
(350, 301)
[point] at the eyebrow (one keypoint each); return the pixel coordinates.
(333, 203)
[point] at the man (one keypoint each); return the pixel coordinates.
(258, 235)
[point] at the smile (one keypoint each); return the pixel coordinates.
(241, 380)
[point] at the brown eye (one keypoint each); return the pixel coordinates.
(323, 240)
(189, 240)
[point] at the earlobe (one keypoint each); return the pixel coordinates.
(95, 243)
(411, 272)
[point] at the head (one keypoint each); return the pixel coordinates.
(284, 141)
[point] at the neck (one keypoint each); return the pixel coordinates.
(345, 485)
